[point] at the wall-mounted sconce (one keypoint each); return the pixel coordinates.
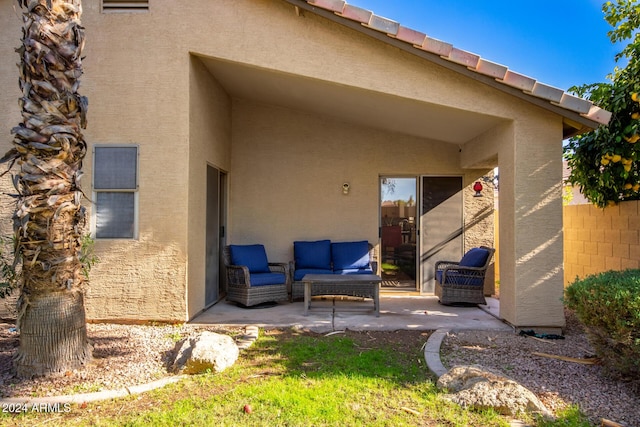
(477, 187)
(345, 188)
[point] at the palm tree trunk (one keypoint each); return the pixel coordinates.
(49, 219)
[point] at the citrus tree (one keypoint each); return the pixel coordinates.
(605, 163)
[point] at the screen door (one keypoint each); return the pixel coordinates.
(441, 223)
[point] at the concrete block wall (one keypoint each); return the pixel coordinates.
(597, 240)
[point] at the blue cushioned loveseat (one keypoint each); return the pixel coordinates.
(326, 257)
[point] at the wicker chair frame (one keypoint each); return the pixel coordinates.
(457, 283)
(239, 287)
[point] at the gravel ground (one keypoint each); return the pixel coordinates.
(557, 383)
(126, 355)
(123, 355)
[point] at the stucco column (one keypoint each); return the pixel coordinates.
(531, 246)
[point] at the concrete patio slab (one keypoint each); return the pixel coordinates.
(334, 314)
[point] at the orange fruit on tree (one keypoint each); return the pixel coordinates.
(633, 138)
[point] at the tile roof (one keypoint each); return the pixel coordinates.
(422, 42)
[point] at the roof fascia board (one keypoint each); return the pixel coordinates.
(458, 68)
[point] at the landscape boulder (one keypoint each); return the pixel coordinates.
(476, 387)
(205, 351)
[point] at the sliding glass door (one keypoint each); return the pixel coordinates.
(398, 229)
(215, 235)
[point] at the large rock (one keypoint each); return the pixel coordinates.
(475, 387)
(205, 351)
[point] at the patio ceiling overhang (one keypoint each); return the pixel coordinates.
(578, 115)
(349, 104)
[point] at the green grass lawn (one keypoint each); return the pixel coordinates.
(293, 379)
(389, 267)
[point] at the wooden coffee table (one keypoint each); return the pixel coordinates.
(354, 285)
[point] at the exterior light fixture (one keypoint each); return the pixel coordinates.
(477, 187)
(345, 188)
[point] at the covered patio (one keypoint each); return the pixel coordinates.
(397, 312)
(389, 103)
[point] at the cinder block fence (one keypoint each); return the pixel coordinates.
(597, 240)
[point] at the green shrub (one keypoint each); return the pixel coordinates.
(608, 305)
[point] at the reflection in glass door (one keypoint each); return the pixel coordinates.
(398, 232)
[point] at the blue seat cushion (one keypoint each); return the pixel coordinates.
(350, 255)
(254, 257)
(262, 279)
(312, 254)
(299, 273)
(459, 279)
(354, 271)
(476, 257)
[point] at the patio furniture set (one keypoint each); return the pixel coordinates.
(348, 269)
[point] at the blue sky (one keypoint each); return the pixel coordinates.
(404, 187)
(561, 43)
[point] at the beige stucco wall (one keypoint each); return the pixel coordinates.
(210, 142)
(130, 101)
(531, 224)
(530, 209)
(285, 166)
(479, 215)
(135, 97)
(288, 168)
(10, 33)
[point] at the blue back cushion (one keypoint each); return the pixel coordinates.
(254, 257)
(476, 257)
(313, 254)
(350, 255)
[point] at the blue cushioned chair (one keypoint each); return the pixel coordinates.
(251, 278)
(462, 282)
